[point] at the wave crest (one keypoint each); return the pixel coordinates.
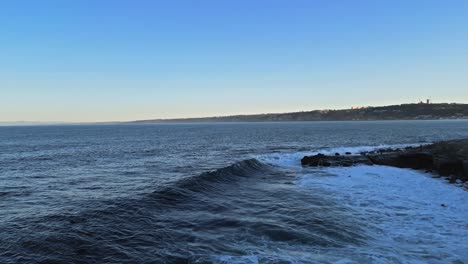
(209, 181)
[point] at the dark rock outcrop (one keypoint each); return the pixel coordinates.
(414, 160)
(321, 160)
(447, 158)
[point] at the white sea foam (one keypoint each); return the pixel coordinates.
(409, 216)
(412, 217)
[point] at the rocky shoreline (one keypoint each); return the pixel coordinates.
(447, 158)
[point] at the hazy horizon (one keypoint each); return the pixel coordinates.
(32, 122)
(108, 61)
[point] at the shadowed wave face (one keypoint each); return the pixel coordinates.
(204, 193)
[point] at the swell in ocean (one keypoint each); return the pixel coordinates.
(243, 212)
(267, 209)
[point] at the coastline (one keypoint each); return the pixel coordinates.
(391, 112)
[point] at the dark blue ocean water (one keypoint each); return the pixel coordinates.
(211, 193)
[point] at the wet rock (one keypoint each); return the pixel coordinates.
(465, 170)
(387, 150)
(447, 167)
(418, 160)
(321, 160)
(316, 160)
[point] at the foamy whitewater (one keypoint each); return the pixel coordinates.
(411, 216)
(225, 193)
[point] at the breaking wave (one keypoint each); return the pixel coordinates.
(245, 212)
(209, 181)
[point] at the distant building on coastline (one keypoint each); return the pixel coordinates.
(358, 107)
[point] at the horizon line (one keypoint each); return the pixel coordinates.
(26, 123)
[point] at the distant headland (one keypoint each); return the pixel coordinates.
(419, 111)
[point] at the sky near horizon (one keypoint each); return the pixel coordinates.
(86, 60)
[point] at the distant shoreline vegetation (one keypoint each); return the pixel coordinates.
(421, 111)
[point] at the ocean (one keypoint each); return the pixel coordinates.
(224, 193)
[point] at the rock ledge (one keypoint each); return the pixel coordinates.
(446, 158)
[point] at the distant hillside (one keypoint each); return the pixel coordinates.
(392, 112)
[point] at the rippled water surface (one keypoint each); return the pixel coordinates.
(224, 193)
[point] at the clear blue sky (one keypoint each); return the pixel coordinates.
(122, 60)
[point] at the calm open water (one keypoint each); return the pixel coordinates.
(224, 193)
